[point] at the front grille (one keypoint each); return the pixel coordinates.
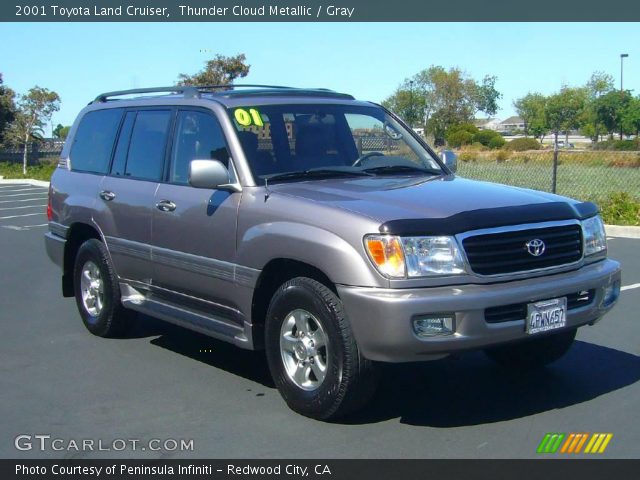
(506, 252)
(518, 311)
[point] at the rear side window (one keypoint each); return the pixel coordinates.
(93, 142)
(120, 156)
(147, 146)
(198, 137)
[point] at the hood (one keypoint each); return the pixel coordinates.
(391, 198)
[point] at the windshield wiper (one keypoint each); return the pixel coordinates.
(316, 173)
(403, 169)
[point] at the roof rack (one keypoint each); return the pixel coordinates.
(187, 91)
(204, 88)
(288, 92)
(190, 91)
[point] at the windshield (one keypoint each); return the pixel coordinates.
(289, 142)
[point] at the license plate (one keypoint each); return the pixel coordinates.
(546, 315)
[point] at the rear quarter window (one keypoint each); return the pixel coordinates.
(93, 142)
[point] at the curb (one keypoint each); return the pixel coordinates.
(612, 230)
(622, 231)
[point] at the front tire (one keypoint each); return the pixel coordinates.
(533, 353)
(312, 354)
(97, 291)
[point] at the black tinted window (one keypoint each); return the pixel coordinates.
(120, 156)
(146, 149)
(198, 137)
(93, 142)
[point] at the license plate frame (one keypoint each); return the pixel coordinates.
(546, 315)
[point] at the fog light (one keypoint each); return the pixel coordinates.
(611, 293)
(432, 325)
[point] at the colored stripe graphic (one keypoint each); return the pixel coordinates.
(550, 443)
(573, 443)
(598, 443)
(581, 442)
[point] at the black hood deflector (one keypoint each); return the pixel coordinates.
(491, 217)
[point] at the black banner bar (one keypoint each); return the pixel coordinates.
(582, 469)
(318, 11)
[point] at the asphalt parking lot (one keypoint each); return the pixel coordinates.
(163, 382)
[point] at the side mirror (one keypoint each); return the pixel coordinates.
(450, 159)
(208, 174)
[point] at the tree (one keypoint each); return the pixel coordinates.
(221, 70)
(487, 96)
(631, 117)
(563, 111)
(7, 108)
(599, 84)
(609, 110)
(441, 98)
(407, 104)
(34, 112)
(531, 109)
(61, 132)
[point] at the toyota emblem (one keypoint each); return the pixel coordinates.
(535, 247)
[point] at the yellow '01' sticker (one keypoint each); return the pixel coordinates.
(248, 118)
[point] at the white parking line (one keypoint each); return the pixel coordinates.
(14, 185)
(25, 189)
(22, 194)
(630, 287)
(24, 227)
(25, 215)
(23, 206)
(22, 200)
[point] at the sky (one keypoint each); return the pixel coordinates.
(368, 60)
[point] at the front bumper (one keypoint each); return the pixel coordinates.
(382, 318)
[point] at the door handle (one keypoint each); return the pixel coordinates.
(107, 195)
(166, 206)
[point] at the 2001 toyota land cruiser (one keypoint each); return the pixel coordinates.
(318, 227)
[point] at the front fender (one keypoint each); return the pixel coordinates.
(341, 261)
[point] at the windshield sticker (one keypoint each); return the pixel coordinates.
(392, 132)
(246, 119)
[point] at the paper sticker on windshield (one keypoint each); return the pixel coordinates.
(392, 132)
(248, 118)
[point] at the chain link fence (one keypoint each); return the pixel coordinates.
(581, 174)
(37, 152)
(588, 175)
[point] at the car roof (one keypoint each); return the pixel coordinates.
(227, 95)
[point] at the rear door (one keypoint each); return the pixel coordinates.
(194, 229)
(126, 197)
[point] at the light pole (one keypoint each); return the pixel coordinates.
(622, 57)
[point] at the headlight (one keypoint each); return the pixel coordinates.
(595, 238)
(398, 257)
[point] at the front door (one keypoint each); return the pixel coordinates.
(194, 229)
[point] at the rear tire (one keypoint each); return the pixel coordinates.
(97, 291)
(312, 354)
(533, 353)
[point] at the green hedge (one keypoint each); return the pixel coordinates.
(522, 144)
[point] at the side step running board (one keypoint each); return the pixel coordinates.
(194, 320)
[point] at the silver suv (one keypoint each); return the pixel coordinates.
(319, 228)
